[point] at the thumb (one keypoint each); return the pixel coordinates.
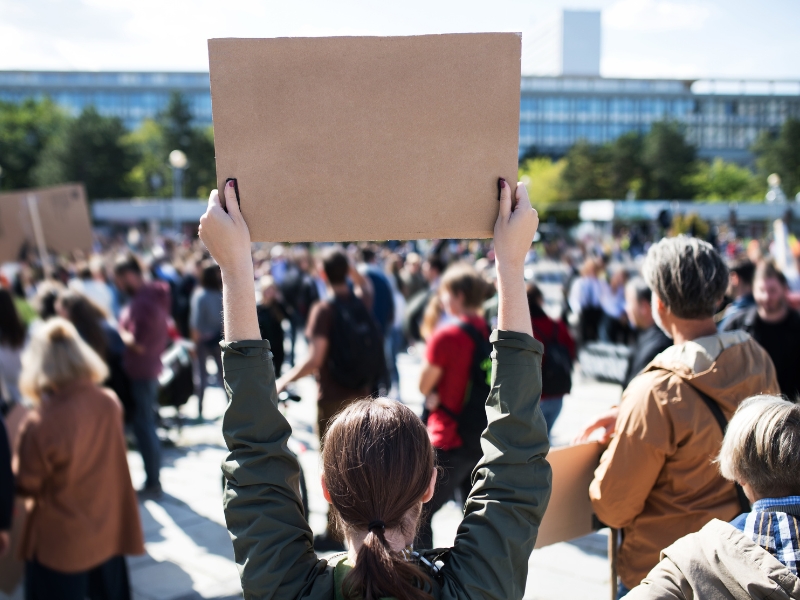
(505, 198)
(231, 203)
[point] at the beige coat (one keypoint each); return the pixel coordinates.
(72, 462)
(718, 562)
(657, 480)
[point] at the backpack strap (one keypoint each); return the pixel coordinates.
(719, 417)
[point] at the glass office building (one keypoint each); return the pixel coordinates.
(722, 118)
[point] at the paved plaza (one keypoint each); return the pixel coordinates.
(189, 553)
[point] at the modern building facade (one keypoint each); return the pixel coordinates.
(722, 118)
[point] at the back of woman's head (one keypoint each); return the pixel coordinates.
(12, 329)
(377, 463)
(87, 318)
(461, 279)
(57, 357)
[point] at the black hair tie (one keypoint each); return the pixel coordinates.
(376, 525)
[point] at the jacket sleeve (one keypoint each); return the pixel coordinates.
(630, 467)
(33, 461)
(272, 542)
(511, 483)
(664, 582)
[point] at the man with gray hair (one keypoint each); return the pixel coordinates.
(656, 480)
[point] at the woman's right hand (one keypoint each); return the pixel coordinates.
(224, 232)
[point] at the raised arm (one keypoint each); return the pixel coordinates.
(511, 483)
(272, 541)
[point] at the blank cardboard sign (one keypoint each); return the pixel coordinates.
(64, 217)
(569, 514)
(367, 138)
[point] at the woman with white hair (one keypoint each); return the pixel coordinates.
(72, 463)
(757, 555)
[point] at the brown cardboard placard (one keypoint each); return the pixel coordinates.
(569, 514)
(63, 213)
(367, 138)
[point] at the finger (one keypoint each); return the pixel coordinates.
(505, 198)
(231, 203)
(522, 197)
(213, 199)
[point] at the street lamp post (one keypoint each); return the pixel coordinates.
(178, 162)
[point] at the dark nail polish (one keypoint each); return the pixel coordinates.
(231, 183)
(502, 183)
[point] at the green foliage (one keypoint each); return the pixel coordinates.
(89, 149)
(780, 153)
(669, 161)
(627, 173)
(690, 224)
(544, 180)
(586, 172)
(719, 180)
(25, 130)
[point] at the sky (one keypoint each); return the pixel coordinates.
(640, 38)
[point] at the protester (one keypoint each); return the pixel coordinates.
(345, 349)
(73, 464)
(559, 354)
(91, 283)
(6, 490)
(205, 324)
(584, 300)
(92, 325)
(299, 293)
(650, 339)
(271, 315)
(655, 481)
(774, 325)
(411, 276)
(757, 555)
(613, 325)
(378, 464)
(12, 340)
(740, 289)
(143, 327)
(432, 270)
(446, 381)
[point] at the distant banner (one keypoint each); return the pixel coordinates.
(59, 215)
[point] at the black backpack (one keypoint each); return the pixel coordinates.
(556, 366)
(472, 418)
(355, 346)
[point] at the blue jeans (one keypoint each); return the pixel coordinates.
(551, 408)
(145, 394)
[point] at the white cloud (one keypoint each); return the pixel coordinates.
(656, 15)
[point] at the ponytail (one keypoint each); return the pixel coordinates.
(377, 463)
(381, 573)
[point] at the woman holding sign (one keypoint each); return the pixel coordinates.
(378, 462)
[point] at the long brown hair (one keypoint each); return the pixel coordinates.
(378, 461)
(12, 329)
(87, 317)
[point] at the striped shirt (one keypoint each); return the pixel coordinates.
(774, 524)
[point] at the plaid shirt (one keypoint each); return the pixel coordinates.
(774, 524)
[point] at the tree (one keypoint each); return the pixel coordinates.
(626, 172)
(89, 149)
(544, 180)
(197, 144)
(780, 153)
(585, 176)
(720, 180)
(669, 161)
(25, 129)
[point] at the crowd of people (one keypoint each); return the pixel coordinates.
(713, 343)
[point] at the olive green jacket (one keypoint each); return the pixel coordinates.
(272, 542)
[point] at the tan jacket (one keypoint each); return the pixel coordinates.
(657, 480)
(72, 461)
(718, 562)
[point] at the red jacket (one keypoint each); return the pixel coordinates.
(545, 330)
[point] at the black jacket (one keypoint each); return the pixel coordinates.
(780, 340)
(650, 343)
(6, 480)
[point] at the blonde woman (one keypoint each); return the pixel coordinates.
(72, 462)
